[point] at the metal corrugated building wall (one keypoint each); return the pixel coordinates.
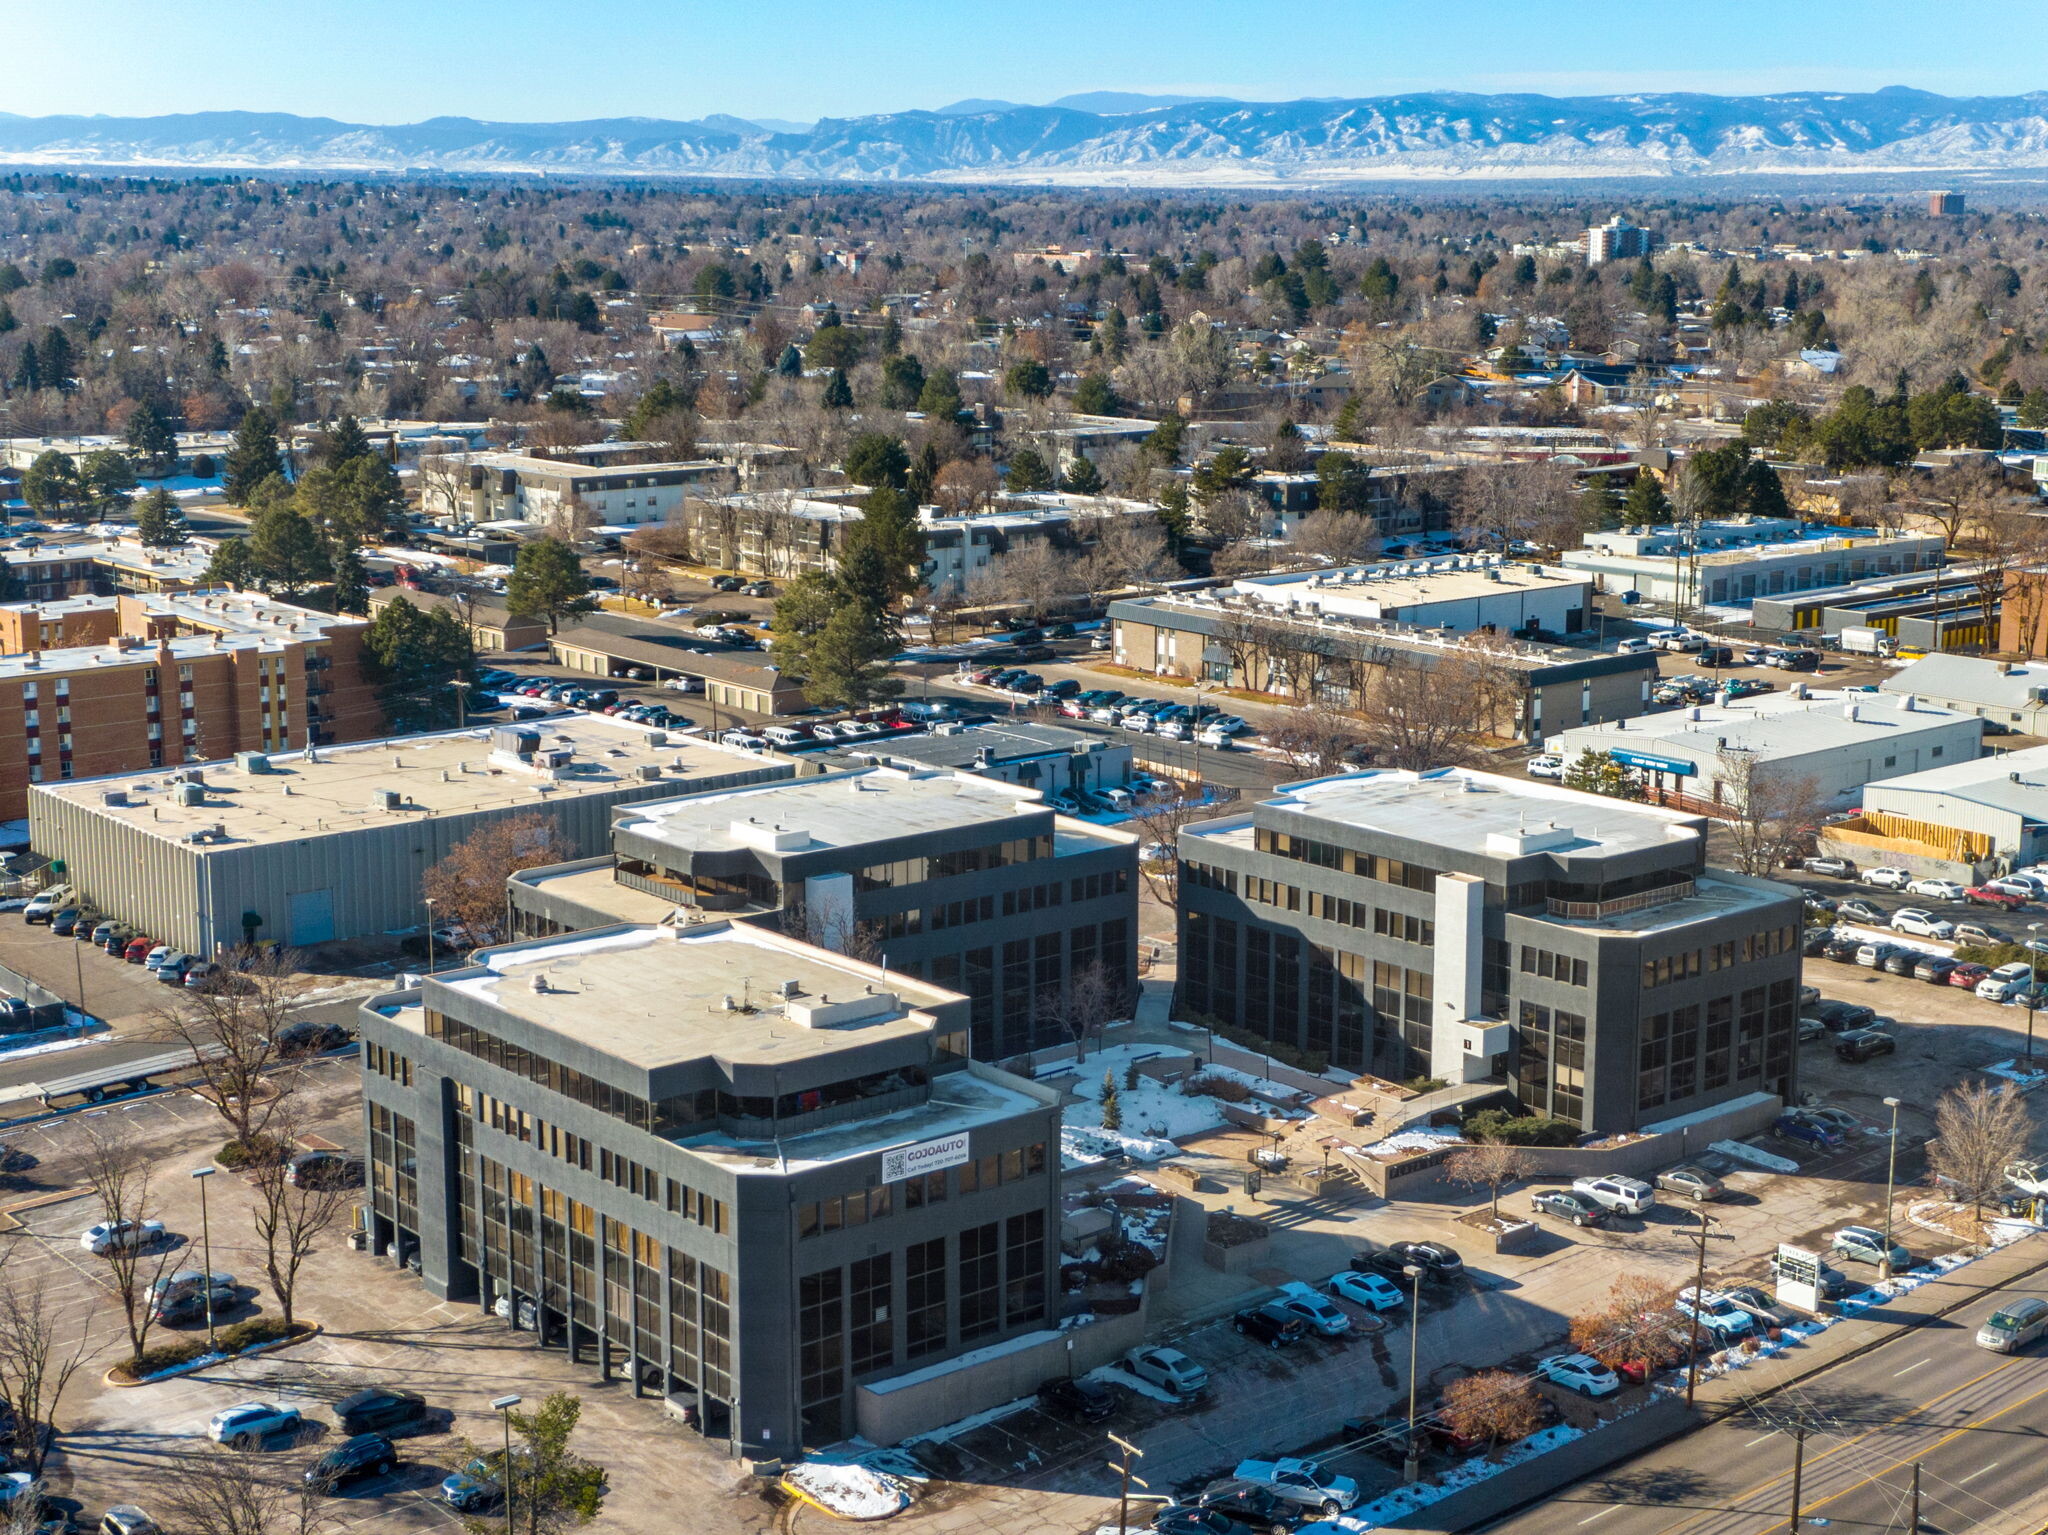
(194, 896)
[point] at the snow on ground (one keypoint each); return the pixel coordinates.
(2012, 1071)
(851, 1491)
(1086, 1147)
(1755, 1156)
(1117, 1375)
(1153, 1108)
(1422, 1138)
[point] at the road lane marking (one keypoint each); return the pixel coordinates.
(1909, 1369)
(1760, 1438)
(1977, 1473)
(1602, 1514)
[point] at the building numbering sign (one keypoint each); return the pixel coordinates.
(925, 1157)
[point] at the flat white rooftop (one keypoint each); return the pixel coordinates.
(801, 815)
(1775, 724)
(1385, 590)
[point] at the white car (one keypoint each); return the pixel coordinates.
(1921, 924)
(1936, 889)
(247, 1424)
(1579, 1372)
(1174, 730)
(1374, 1291)
(1168, 1369)
(1306, 1482)
(1210, 736)
(2004, 981)
(1889, 877)
(1105, 714)
(1546, 766)
(1300, 1300)
(105, 1237)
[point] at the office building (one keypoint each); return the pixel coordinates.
(747, 1173)
(1474, 928)
(1734, 563)
(512, 487)
(98, 685)
(972, 884)
(329, 844)
(1462, 593)
(1619, 240)
(1243, 640)
(1946, 205)
(1833, 741)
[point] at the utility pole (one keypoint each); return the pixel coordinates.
(1798, 1469)
(1123, 1468)
(1913, 1522)
(1699, 1284)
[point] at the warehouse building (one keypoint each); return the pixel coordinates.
(1966, 822)
(2010, 697)
(1837, 741)
(972, 883)
(1461, 593)
(1923, 611)
(304, 847)
(1735, 563)
(747, 1173)
(1474, 928)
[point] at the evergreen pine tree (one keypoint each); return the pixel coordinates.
(346, 442)
(1112, 1110)
(838, 393)
(160, 521)
(1646, 504)
(57, 360)
(252, 458)
(151, 441)
(547, 581)
(1082, 477)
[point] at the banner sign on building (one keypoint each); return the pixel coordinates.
(1676, 766)
(926, 1157)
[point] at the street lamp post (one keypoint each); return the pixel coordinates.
(206, 1246)
(1411, 1468)
(430, 934)
(2033, 987)
(503, 1405)
(1891, 1168)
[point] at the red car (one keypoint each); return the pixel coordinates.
(1983, 895)
(1968, 975)
(138, 950)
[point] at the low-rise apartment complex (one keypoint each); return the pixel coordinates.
(1469, 927)
(1736, 562)
(746, 1173)
(972, 884)
(512, 487)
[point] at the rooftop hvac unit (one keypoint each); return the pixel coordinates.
(114, 797)
(556, 757)
(252, 763)
(386, 799)
(651, 771)
(191, 794)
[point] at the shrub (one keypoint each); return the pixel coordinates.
(1992, 955)
(1206, 1085)
(1227, 1230)
(258, 1329)
(1123, 1261)
(236, 1155)
(165, 1356)
(1520, 1129)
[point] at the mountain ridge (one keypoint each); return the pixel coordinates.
(1431, 135)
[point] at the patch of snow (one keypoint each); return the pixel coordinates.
(1115, 1375)
(1423, 1138)
(2013, 1072)
(848, 1489)
(1755, 1156)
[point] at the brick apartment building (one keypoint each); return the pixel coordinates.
(93, 685)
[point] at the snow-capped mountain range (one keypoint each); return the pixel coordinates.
(1127, 140)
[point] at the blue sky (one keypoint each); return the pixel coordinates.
(388, 61)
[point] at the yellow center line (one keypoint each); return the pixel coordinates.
(1814, 1460)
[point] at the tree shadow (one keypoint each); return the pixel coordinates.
(1665, 1486)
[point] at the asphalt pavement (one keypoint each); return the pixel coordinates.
(1973, 1421)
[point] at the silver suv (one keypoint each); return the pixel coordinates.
(1624, 1196)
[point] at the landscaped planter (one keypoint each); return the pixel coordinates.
(1235, 1244)
(1507, 1234)
(206, 1358)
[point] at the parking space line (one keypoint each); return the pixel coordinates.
(1909, 1369)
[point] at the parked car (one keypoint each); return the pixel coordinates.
(1861, 911)
(1250, 1504)
(1815, 944)
(1374, 1291)
(1977, 933)
(1715, 1312)
(1315, 1312)
(1843, 951)
(1900, 962)
(2014, 1325)
(1270, 1325)
(1864, 1044)
(1756, 1303)
(138, 950)
(1921, 924)
(104, 1237)
(1439, 1263)
(1691, 1180)
(127, 1519)
(1936, 889)
(1546, 766)
(1623, 1196)
(247, 1424)
(1995, 895)
(2001, 983)
(351, 1460)
(1805, 1132)
(1834, 1284)
(1168, 1369)
(1872, 954)
(1308, 1483)
(1888, 877)
(1866, 1244)
(1968, 974)
(1077, 1399)
(1934, 970)
(1579, 1372)
(1826, 906)
(376, 1407)
(1564, 1205)
(311, 1036)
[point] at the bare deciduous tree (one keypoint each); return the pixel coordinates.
(1639, 1324)
(1313, 740)
(1422, 712)
(1160, 824)
(468, 886)
(1978, 1131)
(290, 1218)
(120, 1173)
(1092, 1000)
(1491, 1166)
(232, 1030)
(218, 1492)
(1775, 812)
(38, 1357)
(1342, 538)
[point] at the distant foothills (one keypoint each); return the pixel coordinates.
(1113, 139)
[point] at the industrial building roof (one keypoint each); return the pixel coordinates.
(1389, 588)
(962, 746)
(2015, 781)
(656, 996)
(1483, 812)
(804, 815)
(371, 783)
(1972, 679)
(1775, 724)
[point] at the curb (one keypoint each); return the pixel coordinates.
(313, 1330)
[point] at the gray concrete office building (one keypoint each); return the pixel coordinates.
(742, 1172)
(973, 884)
(1469, 927)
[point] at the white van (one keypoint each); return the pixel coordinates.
(1634, 647)
(2013, 1326)
(786, 735)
